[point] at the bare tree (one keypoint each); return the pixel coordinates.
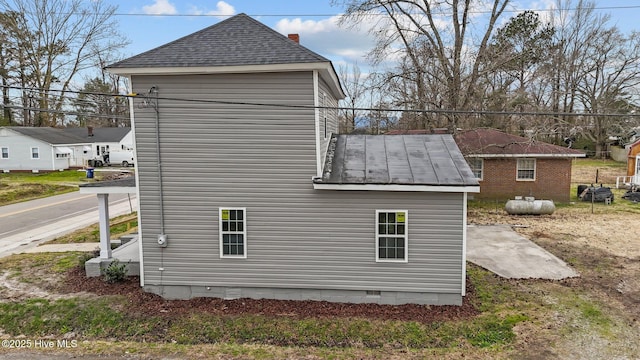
(58, 39)
(596, 71)
(434, 32)
(354, 84)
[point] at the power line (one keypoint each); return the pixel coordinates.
(440, 13)
(312, 107)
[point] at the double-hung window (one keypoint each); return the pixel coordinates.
(476, 165)
(391, 236)
(5, 153)
(526, 170)
(35, 153)
(233, 233)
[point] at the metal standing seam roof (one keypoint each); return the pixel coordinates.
(239, 40)
(396, 160)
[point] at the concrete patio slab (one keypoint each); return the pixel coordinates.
(506, 253)
(128, 254)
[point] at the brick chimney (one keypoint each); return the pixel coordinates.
(89, 131)
(294, 37)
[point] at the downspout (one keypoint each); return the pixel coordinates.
(154, 91)
(152, 100)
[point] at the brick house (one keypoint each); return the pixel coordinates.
(508, 165)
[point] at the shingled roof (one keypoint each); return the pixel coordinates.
(64, 136)
(494, 143)
(432, 160)
(239, 40)
(49, 135)
(102, 134)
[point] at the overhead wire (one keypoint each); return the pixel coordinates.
(438, 13)
(472, 112)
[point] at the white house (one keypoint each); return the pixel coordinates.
(50, 149)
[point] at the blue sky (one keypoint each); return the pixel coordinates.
(314, 20)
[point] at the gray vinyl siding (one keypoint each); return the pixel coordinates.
(20, 153)
(263, 158)
(332, 117)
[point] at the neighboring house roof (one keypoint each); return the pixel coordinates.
(495, 143)
(64, 136)
(49, 135)
(239, 44)
(105, 134)
(432, 160)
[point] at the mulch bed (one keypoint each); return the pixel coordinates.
(142, 303)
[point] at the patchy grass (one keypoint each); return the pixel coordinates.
(14, 193)
(75, 177)
(120, 225)
(107, 317)
(18, 187)
(584, 171)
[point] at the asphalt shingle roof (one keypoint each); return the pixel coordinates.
(239, 40)
(49, 135)
(106, 134)
(494, 142)
(57, 136)
(396, 159)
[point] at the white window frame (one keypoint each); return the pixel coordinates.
(37, 152)
(405, 236)
(474, 168)
(519, 168)
(243, 232)
(2, 152)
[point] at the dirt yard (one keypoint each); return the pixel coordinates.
(602, 243)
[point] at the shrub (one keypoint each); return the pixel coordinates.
(115, 272)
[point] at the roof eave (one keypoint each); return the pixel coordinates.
(326, 70)
(524, 155)
(398, 187)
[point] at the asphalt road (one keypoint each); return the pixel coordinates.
(26, 225)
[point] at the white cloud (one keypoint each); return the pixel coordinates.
(326, 37)
(223, 10)
(160, 7)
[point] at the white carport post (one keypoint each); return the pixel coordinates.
(105, 233)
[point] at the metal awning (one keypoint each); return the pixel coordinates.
(63, 150)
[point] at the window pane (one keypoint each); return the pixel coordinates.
(225, 226)
(232, 214)
(391, 217)
(382, 217)
(383, 242)
(391, 229)
(391, 253)
(400, 229)
(240, 214)
(240, 226)
(382, 229)
(232, 226)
